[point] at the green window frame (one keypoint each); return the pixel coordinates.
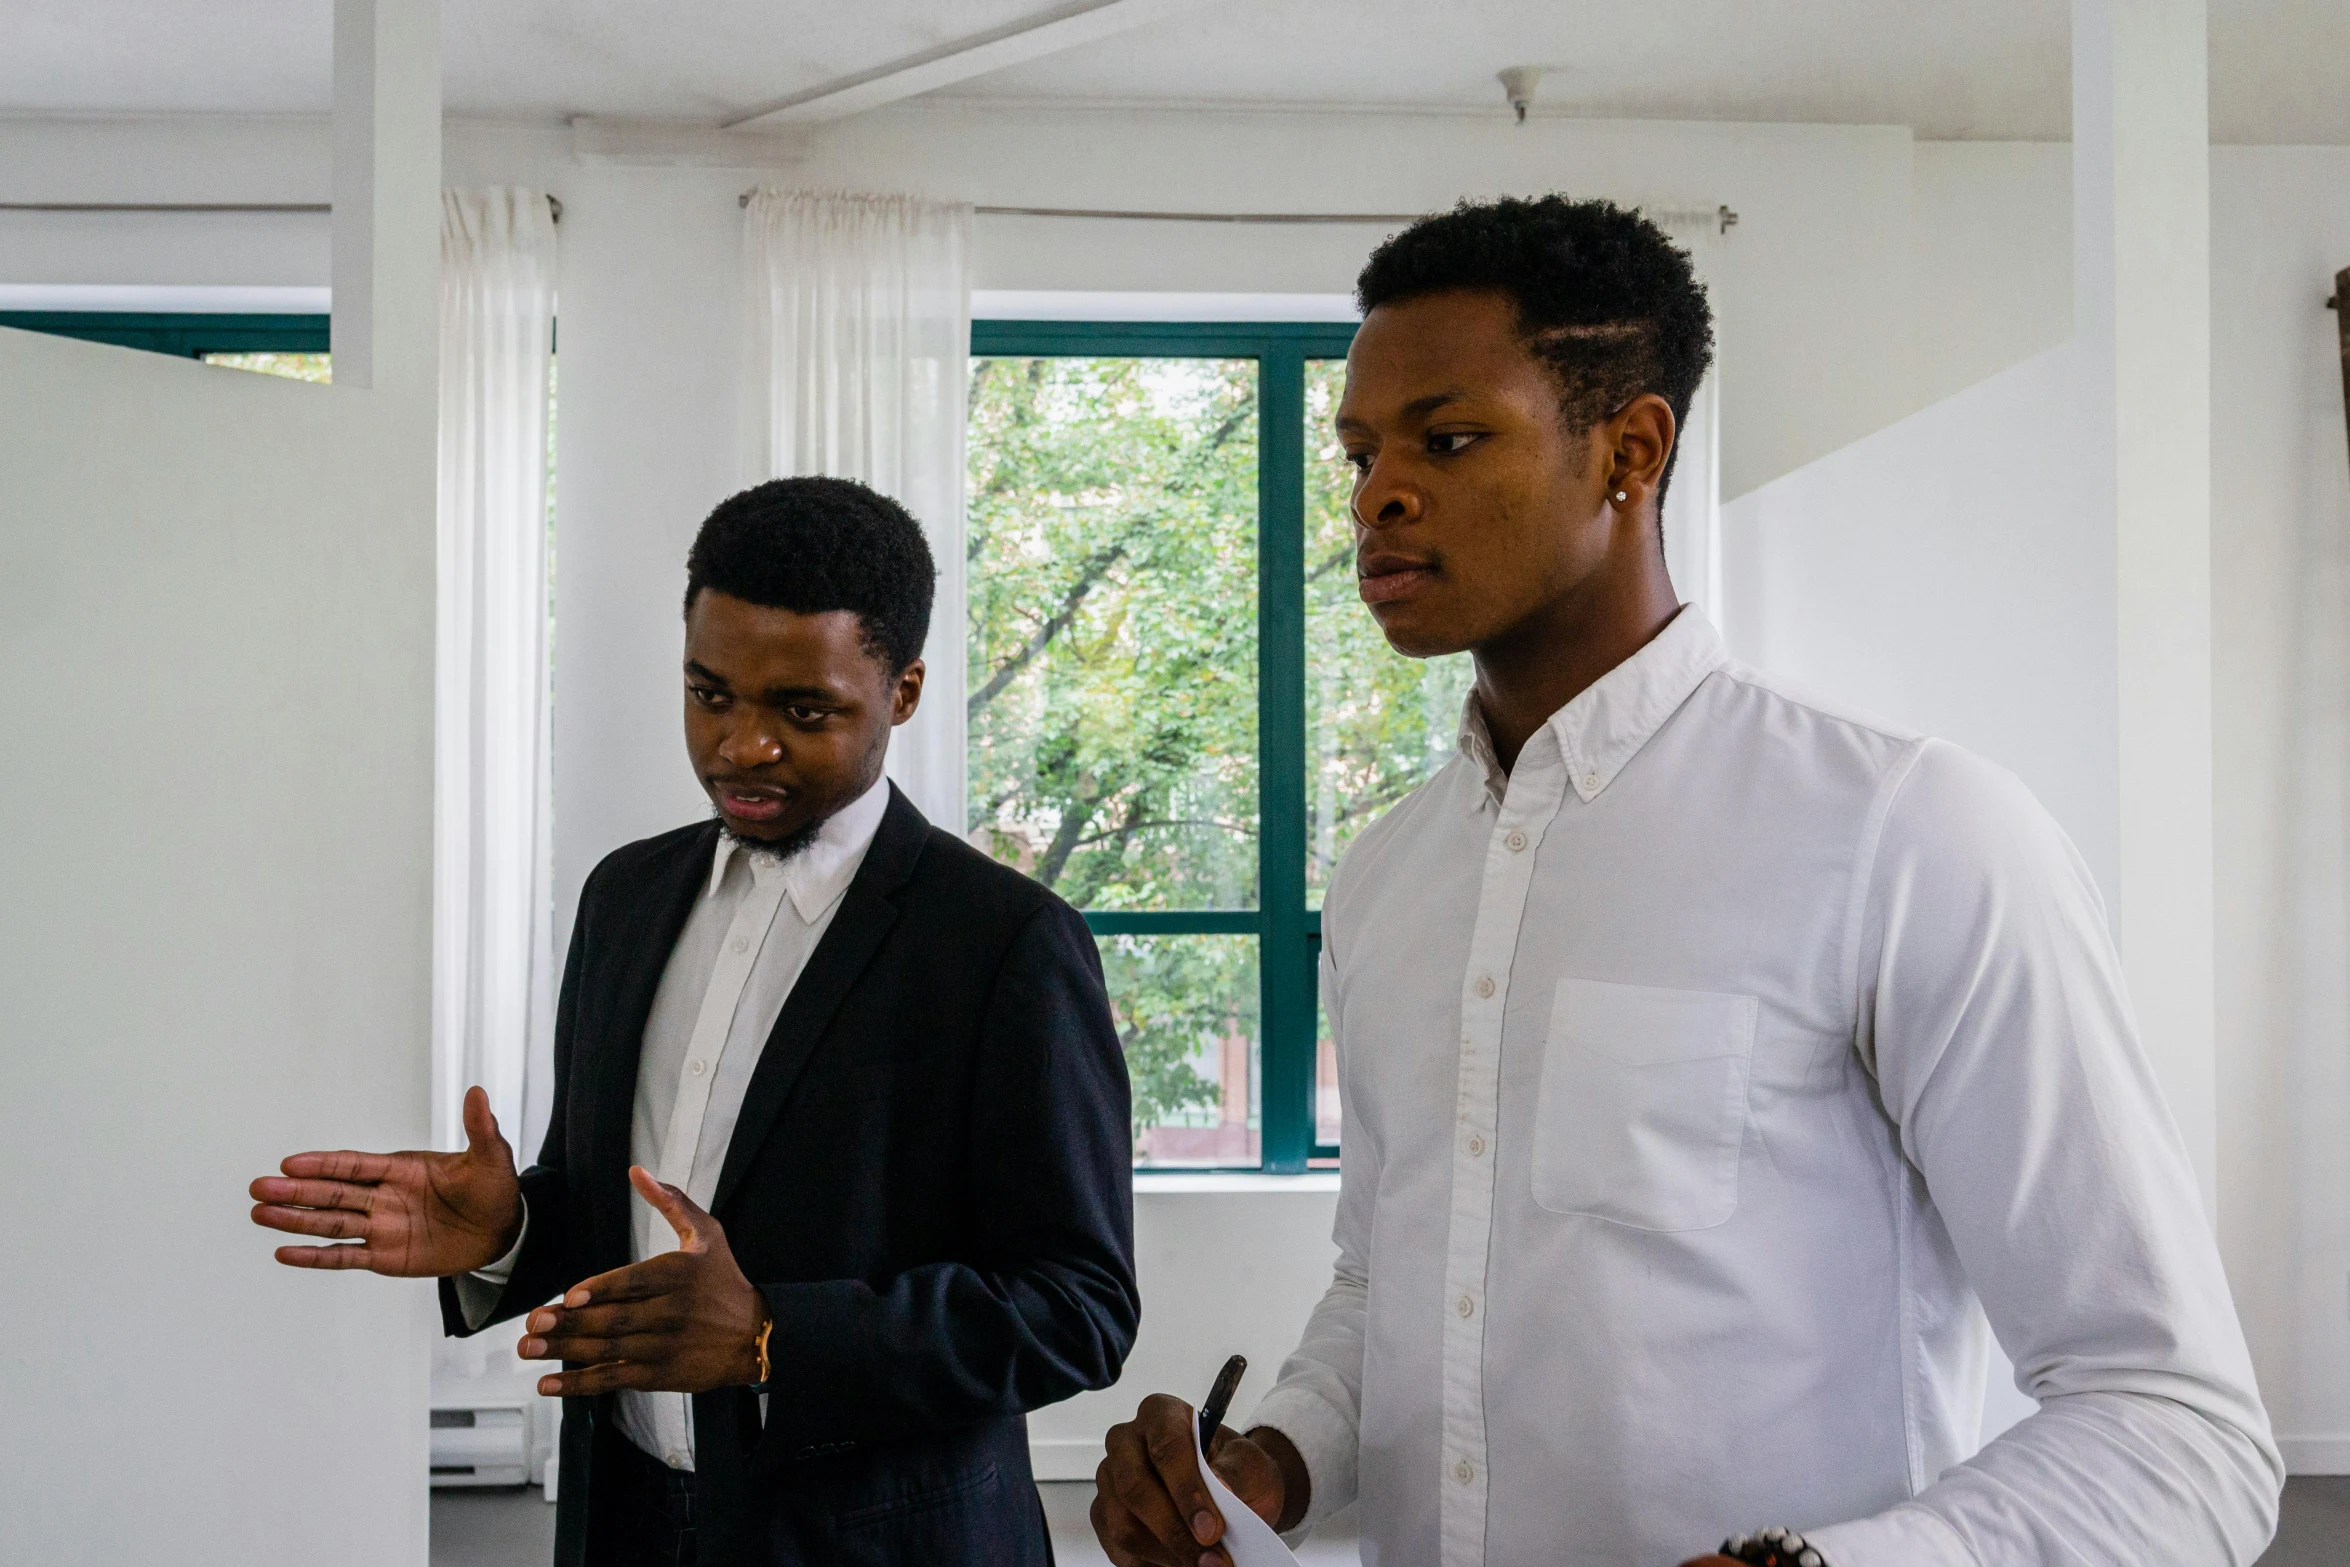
(183, 334)
(1289, 932)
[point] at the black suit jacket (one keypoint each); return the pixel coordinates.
(930, 1182)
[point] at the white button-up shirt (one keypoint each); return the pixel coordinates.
(1706, 1080)
(735, 963)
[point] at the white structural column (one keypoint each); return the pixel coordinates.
(387, 192)
(2142, 246)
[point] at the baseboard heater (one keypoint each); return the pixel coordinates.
(481, 1444)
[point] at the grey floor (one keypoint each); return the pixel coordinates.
(2315, 1531)
(517, 1528)
(497, 1528)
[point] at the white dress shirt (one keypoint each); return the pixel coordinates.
(1706, 1080)
(733, 967)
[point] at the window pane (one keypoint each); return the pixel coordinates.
(1186, 1010)
(295, 367)
(1377, 723)
(1325, 1083)
(1113, 627)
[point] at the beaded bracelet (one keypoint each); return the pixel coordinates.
(1772, 1548)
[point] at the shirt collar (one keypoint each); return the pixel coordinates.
(1606, 724)
(816, 876)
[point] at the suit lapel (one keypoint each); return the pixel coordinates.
(867, 912)
(655, 914)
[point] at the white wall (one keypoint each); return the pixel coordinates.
(2026, 568)
(216, 652)
(164, 158)
(1952, 573)
(1867, 277)
(1992, 256)
(1820, 297)
(1817, 308)
(1948, 572)
(2281, 716)
(1227, 1266)
(1847, 234)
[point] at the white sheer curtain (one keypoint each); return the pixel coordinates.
(1693, 504)
(493, 959)
(856, 364)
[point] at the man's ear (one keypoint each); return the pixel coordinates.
(907, 695)
(1640, 438)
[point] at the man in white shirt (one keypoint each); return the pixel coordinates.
(837, 1183)
(1721, 1069)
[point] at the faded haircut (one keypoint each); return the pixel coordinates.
(1604, 299)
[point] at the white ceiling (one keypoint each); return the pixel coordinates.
(1995, 69)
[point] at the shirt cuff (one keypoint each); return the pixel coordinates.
(1903, 1536)
(479, 1292)
(1324, 1437)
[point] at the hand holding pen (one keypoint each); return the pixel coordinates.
(1151, 1507)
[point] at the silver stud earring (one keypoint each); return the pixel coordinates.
(1621, 497)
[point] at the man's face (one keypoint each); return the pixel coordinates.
(787, 716)
(1474, 506)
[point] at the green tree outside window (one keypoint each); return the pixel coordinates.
(1180, 713)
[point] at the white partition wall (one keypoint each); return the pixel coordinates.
(2026, 567)
(216, 617)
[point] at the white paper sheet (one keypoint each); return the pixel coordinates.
(1248, 1539)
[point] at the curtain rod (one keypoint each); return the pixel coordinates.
(554, 207)
(1721, 215)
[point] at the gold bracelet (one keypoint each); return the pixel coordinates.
(766, 1326)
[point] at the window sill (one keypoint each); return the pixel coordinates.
(1193, 1183)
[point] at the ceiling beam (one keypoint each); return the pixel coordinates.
(1029, 38)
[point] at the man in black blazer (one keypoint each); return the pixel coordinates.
(837, 1184)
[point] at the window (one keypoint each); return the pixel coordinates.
(293, 346)
(294, 367)
(1179, 711)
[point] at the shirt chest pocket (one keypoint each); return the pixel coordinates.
(1642, 1109)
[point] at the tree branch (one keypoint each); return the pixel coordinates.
(1055, 858)
(1126, 830)
(1342, 556)
(1042, 637)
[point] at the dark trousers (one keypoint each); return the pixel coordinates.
(642, 1512)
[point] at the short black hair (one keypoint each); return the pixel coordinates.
(811, 545)
(1604, 299)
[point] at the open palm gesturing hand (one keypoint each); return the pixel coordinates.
(417, 1214)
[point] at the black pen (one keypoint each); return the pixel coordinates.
(1211, 1413)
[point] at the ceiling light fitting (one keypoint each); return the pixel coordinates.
(1519, 83)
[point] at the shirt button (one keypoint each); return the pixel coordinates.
(1516, 840)
(696, 1067)
(674, 1459)
(1485, 984)
(1465, 1306)
(1591, 780)
(1464, 1472)
(1476, 1147)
